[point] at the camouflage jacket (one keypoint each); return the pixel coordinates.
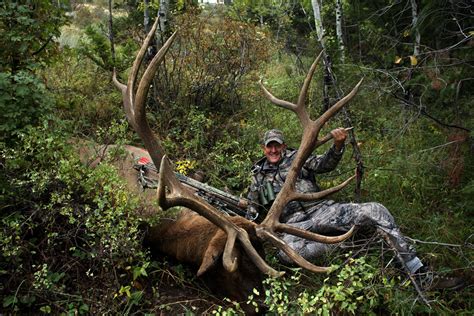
(263, 172)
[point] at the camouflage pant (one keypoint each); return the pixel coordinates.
(330, 217)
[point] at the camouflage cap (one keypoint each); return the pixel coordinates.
(273, 135)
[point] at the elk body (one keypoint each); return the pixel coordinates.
(209, 239)
(193, 239)
(190, 238)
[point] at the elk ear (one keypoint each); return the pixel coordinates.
(214, 251)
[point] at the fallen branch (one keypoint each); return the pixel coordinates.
(410, 275)
(467, 245)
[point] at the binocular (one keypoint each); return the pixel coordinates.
(266, 194)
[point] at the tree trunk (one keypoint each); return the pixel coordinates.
(339, 34)
(414, 21)
(318, 21)
(330, 81)
(146, 16)
(111, 34)
(163, 13)
(146, 25)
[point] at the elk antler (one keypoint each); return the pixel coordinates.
(271, 225)
(170, 191)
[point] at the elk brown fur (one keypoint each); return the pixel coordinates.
(194, 240)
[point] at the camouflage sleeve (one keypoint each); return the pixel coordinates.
(253, 190)
(252, 195)
(324, 163)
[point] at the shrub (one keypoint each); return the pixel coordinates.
(23, 101)
(69, 236)
(26, 33)
(353, 288)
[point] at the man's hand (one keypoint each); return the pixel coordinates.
(339, 135)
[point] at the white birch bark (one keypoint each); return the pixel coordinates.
(146, 16)
(414, 21)
(147, 26)
(318, 21)
(340, 39)
(163, 13)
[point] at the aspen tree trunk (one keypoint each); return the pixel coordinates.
(111, 34)
(414, 21)
(163, 13)
(160, 38)
(329, 81)
(339, 34)
(318, 21)
(146, 16)
(146, 25)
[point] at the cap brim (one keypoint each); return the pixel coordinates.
(273, 139)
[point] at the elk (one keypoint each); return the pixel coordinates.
(227, 244)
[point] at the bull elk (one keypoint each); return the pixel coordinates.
(206, 237)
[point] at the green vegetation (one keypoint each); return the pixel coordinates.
(62, 220)
(26, 45)
(71, 239)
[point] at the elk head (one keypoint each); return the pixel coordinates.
(172, 193)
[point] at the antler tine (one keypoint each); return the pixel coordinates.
(339, 104)
(296, 196)
(299, 108)
(126, 100)
(314, 236)
(134, 103)
(139, 59)
(292, 254)
(282, 103)
(304, 89)
(148, 75)
(319, 195)
(329, 136)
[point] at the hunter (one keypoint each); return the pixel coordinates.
(322, 216)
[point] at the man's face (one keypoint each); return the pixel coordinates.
(273, 151)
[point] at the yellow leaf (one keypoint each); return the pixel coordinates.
(398, 59)
(406, 33)
(413, 60)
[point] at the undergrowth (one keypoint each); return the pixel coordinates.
(65, 227)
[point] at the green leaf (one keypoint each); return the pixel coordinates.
(46, 309)
(10, 300)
